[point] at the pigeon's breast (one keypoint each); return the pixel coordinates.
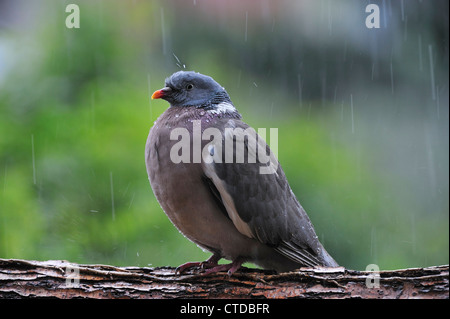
(178, 182)
(169, 158)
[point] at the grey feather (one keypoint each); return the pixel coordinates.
(264, 202)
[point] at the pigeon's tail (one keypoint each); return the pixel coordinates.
(327, 260)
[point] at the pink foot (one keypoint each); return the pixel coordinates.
(181, 268)
(229, 268)
(211, 262)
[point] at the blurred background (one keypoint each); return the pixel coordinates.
(362, 118)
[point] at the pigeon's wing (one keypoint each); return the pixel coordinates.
(256, 194)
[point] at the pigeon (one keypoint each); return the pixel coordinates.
(220, 185)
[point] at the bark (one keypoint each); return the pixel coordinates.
(62, 279)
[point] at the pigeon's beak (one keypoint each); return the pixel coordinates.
(159, 94)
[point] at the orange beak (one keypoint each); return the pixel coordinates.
(159, 94)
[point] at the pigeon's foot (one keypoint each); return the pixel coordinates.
(211, 262)
(229, 268)
(181, 268)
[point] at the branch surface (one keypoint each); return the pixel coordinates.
(62, 279)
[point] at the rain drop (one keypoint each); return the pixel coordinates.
(433, 89)
(33, 159)
(112, 196)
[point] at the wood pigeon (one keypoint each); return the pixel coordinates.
(220, 185)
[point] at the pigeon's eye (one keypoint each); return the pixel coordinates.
(189, 86)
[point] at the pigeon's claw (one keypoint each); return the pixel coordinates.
(211, 262)
(229, 268)
(182, 268)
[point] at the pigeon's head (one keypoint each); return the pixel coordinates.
(188, 88)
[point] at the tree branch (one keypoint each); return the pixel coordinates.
(61, 279)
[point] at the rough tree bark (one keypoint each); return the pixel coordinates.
(62, 279)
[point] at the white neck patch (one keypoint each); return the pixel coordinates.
(222, 108)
